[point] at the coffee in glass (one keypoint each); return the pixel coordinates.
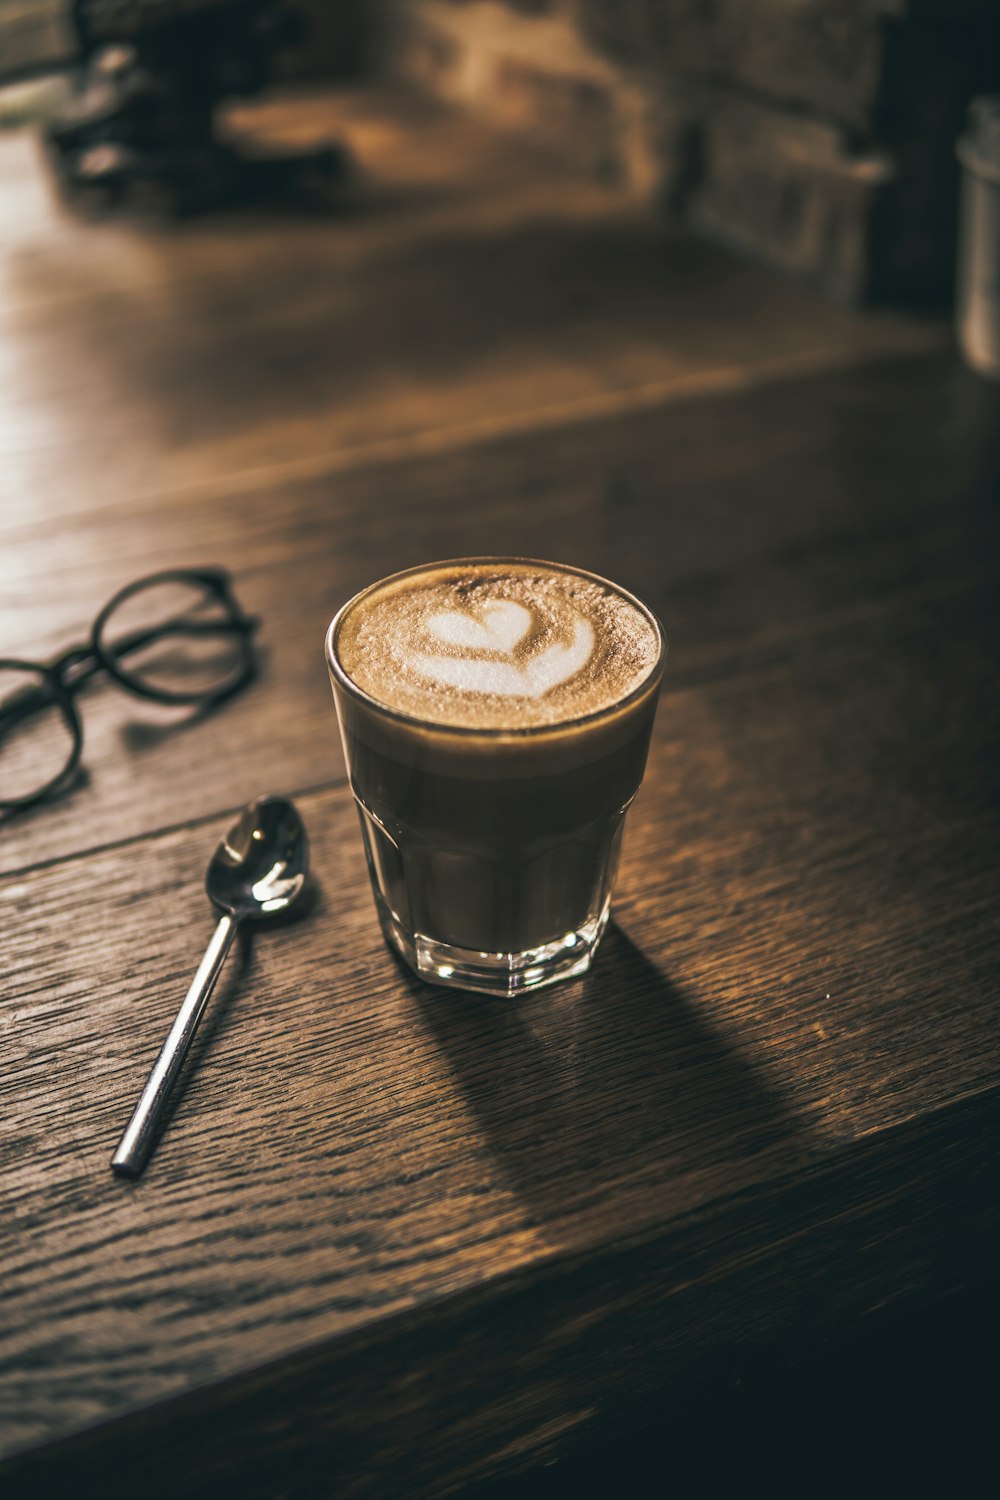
(495, 716)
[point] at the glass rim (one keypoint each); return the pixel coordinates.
(469, 731)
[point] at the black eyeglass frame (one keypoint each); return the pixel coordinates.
(64, 676)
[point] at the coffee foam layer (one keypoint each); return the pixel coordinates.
(496, 645)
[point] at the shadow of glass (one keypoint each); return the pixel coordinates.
(583, 1084)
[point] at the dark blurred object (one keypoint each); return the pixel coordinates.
(153, 74)
(978, 310)
(815, 135)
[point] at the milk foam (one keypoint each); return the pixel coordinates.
(496, 645)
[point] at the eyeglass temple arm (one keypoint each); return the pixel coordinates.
(238, 624)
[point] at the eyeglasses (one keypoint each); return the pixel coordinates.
(178, 637)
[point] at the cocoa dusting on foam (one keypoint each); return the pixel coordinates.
(496, 646)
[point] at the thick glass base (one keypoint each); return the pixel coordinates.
(495, 973)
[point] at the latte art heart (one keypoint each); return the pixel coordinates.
(506, 679)
(505, 644)
(504, 623)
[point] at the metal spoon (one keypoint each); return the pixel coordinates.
(257, 871)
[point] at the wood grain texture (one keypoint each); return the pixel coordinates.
(752, 524)
(382, 1211)
(512, 1119)
(466, 286)
(529, 1367)
(789, 977)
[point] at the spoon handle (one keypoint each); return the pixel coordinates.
(137, 1142)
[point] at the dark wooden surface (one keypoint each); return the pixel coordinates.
(398, 1240)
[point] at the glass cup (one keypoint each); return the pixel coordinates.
(492, 852)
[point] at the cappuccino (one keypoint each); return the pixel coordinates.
(497, 645)
(495, 716)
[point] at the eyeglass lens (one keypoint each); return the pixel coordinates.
(174, 639)
(37, 738)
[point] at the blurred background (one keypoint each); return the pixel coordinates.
(817, 136)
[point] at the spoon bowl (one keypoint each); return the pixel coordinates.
(260, 867)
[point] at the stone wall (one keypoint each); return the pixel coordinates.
(817, 135)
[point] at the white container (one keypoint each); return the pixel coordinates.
(978, 302)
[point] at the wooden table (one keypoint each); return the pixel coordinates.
(397, 1240)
